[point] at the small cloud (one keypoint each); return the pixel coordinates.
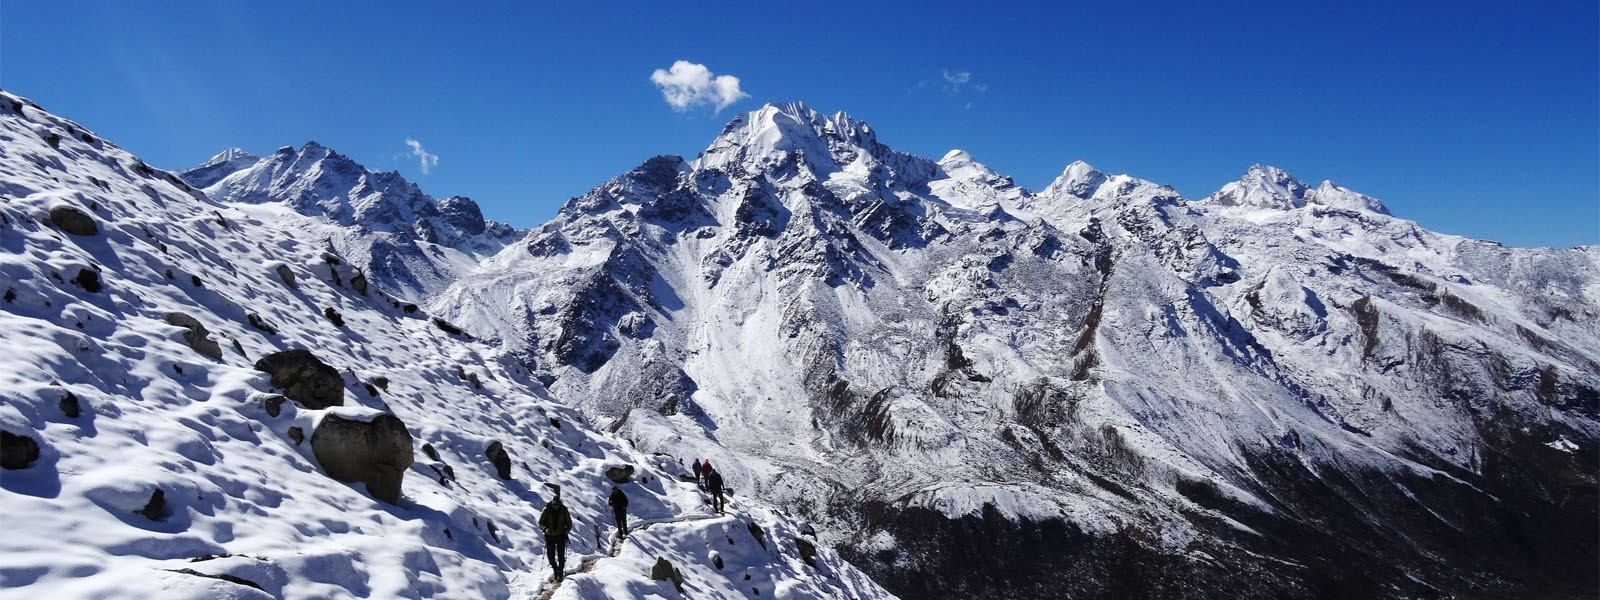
(954, 83)
(428, 161)
(687, 85)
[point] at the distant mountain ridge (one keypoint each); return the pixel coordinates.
(411, 243)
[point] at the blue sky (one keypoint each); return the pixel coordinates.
(1478, 119)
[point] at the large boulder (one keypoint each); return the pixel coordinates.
(287, 275)
(197, 335)
(501, 460)
(376, 452)
(303, 378)
(73, 221)
(622, 474)
(17, 451)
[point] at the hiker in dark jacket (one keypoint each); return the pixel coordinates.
(696, 469)
(556, 523)
(705, 473)
(714, 481)
(619, 509)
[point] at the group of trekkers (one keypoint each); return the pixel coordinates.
(556, 522)
(710, 480)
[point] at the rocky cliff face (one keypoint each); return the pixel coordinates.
(1277, 390)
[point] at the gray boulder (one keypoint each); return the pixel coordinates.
(287, 275)
(73, 221)
(197, 335)
(501, 460)
(303, 378)
(375, 452)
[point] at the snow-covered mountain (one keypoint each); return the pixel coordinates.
(403, 240)
(1099, 389)
(186, 382)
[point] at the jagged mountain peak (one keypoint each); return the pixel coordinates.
(776, 130)
(958, 164)
(1079, 179)
(230, 155)
(1266, 186)
(1262, 186)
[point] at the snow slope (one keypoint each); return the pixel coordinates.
(122, 404)
(1279, 390)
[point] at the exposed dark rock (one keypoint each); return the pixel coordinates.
(428, 450)
(494, 532)
(716, 560)
(409, 308)
(197, 336)
(195, 281)
(88, 279)
(500, 459)
(359, 284)
(11, 295)
(375, 452)
(73, 221)
(663, 571)
(69, 406)
(757, 533)
(287, 275)
(382, 383)
(220, 576)
(807, 550)
(371, 390)
(446, 327)
(303, 378)
(156, 508)
(622, 474)
(297, 434)
(333, 316)
(274, 404)
(259, 323)
(17, 451)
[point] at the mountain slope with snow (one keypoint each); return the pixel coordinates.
(146, 453)
(1100, 388)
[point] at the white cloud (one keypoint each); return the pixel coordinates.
(960, 81)
(687, 85)
(428, 161)
(958, 78)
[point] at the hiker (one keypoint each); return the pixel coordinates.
(705, 473)
(556, 523)
(714, 481)
(619, 509)
(696, 470)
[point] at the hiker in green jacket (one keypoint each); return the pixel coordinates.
(556, 523)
